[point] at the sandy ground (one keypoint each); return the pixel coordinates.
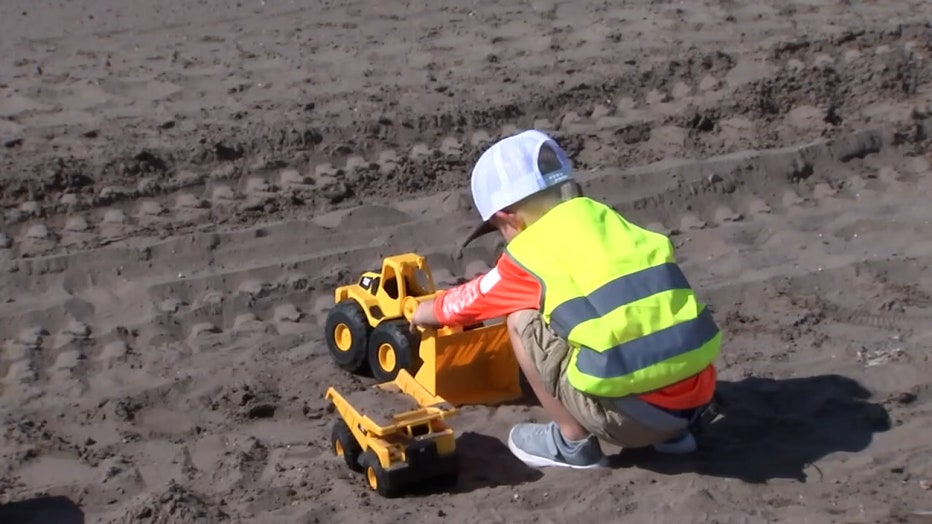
(184, 183)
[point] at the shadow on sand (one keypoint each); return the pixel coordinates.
(769, 429)
(775, 429)
(42, 510)
(484, 462)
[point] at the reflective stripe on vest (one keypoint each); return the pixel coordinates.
(633, 355)
(641, 353)
(622, 290)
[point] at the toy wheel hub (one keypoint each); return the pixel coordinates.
(343, 337)
(338, 448)
(387, 358)
(372, 478)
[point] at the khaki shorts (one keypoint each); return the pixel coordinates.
(550, 355)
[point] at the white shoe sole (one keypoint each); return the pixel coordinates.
(542, 462)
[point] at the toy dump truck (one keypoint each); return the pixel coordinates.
(368, 327)
(395, 434)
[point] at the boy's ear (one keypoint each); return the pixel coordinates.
(506, 217)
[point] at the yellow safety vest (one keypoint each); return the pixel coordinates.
(613, 290)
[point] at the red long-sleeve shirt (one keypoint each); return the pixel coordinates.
(508, 288)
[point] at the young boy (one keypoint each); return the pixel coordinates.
(603, 323)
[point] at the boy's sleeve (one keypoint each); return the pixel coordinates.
(503, 290)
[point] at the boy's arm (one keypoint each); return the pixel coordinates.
(501, 291)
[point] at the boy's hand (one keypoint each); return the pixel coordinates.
(423, 316)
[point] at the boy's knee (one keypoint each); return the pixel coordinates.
(538, 346)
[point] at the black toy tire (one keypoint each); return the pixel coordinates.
(347, 315)
(403, 348)
(345, 444)
(373, 472)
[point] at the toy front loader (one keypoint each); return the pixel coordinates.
(369, 325)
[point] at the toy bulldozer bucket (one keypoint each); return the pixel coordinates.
(466, 366)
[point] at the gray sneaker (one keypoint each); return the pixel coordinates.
(541, 445)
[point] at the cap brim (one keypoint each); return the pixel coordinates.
(482, 229)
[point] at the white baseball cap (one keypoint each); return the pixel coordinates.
(512, 169)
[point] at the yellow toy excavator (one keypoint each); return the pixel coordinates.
(368, 327)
